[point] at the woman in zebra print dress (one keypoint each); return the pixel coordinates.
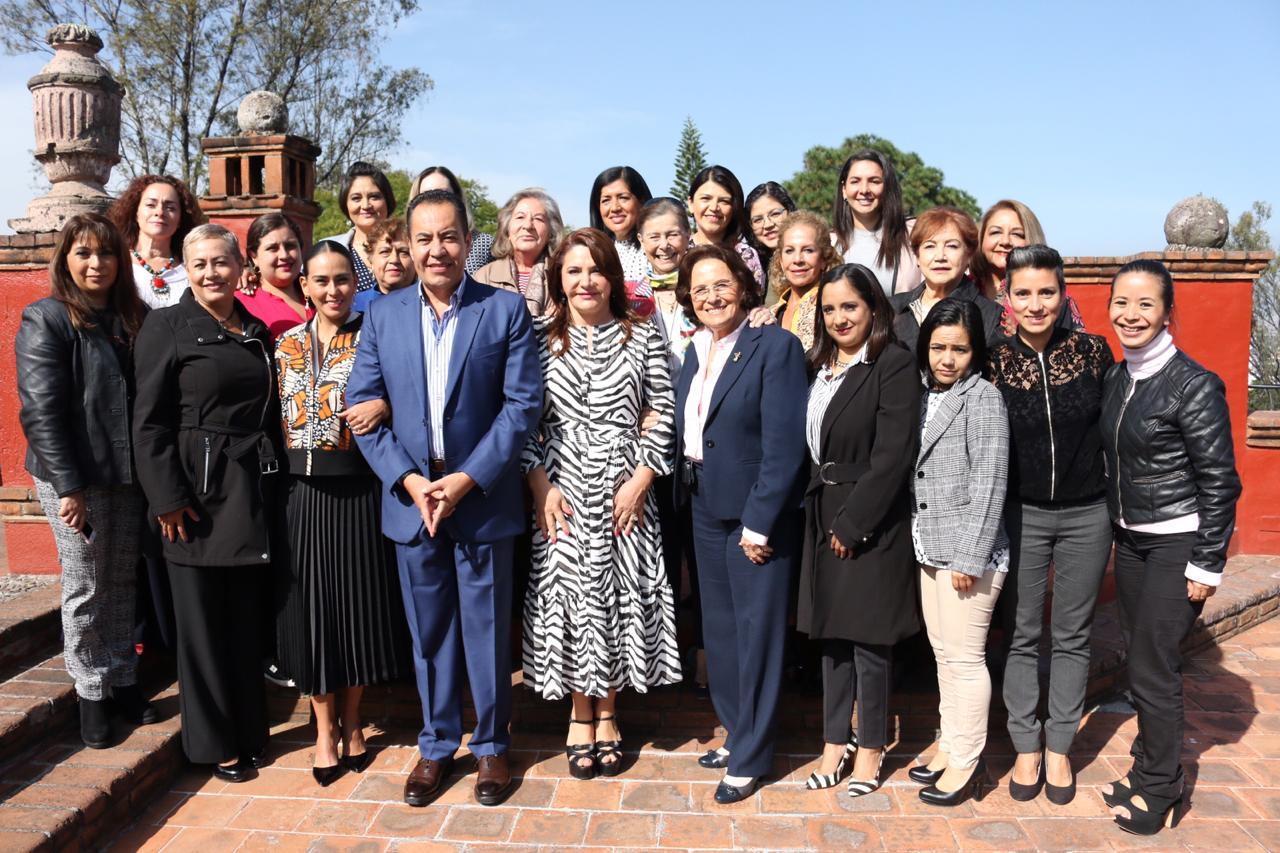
(599, 614)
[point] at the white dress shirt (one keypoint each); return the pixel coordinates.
(437, 348)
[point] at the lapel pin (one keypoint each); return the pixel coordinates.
(736, 356)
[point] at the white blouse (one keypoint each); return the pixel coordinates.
(825, 385)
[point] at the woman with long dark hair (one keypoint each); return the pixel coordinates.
(870, 222)
(617, 194)
(1172, 489)
(599, 614)
(154, 215)
(75, 385)
(719, 212)
(861, 433)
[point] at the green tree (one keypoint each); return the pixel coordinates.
(186, 64)
(691, 158)
(814, 186)
(483, 211)
(1250, 234)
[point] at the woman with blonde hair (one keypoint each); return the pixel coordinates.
(530, 229)
(803, 255)
(1007, 225)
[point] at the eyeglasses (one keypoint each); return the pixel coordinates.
(719, 289)
(772, 217)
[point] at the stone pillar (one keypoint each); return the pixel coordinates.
(77, 125)
(262, 170)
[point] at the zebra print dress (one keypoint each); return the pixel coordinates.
(599, 614)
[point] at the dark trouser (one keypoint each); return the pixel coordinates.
(744, 619)
(856, 671)
(154, 617)
(677, 548)
(1077, 541)
(1151, 585)
(457, 598)
(221, 697)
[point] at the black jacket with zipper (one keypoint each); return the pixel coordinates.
(74, 394)
(207, 432)
(1167, 440)
(1054, 400)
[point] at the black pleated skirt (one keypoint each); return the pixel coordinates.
(341, 621)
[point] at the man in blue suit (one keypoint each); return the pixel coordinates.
(458, 364)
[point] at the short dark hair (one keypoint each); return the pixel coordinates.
(750, 294)
(737, 224)
(361, 169)
(634, 181)
(436, 197)
(769, 189)
(1037, 256)
(954, 312)
(1154, 269)
(864, 283)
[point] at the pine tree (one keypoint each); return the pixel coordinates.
(691, 158)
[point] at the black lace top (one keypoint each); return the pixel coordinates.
(1054, 401)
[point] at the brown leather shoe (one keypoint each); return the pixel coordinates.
(424, 781)
(493, 779)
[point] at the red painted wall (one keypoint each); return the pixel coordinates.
(17, 291)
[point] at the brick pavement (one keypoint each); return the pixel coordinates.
(663, 799)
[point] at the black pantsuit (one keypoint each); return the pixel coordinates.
(1152, 588)
(745, 629)
(856, 671)
(219, 649)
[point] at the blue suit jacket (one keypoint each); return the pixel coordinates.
(753, 444)
(493, 400)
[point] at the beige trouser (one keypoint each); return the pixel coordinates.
(957, 624)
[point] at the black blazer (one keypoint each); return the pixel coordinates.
(908, 330)
(753, 440)
(870, 435)
(207, 432)
(74, 394)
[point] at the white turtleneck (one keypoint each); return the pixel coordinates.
(1143, 363)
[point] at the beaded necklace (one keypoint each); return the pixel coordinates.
(158, 284)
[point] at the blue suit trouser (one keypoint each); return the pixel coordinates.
(457, 598)
(744, 626)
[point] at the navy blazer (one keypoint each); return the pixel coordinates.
(753, 444)
(493, 399)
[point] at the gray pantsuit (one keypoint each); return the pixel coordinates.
(98, 586)
(1076, 539)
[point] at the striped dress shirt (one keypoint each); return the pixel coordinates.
(437, 347)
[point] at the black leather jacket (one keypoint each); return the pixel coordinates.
(75, 401)
(1168, 451)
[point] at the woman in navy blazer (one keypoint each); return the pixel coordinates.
(740, 409)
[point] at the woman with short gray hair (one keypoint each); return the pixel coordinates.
(529, 232)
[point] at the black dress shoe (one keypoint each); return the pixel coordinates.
(924, 775)
(129, 704)
(1025, 793)
(258, 759)
(357, 763)
(1061, 795)
(326, 776)
(714, 760)
(238, 772)
(95, 726)
(726, 793)
(976, 786)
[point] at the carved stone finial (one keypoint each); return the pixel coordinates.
(1196, 222)
(76, 103)
(262, 113)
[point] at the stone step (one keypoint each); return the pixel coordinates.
(30, 627)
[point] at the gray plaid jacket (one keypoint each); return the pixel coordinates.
(961, 475)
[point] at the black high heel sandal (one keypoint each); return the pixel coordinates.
(1025, 793)
(606, 749)
(1121, 790)
(582, 756)
(977, 785)
(1151, 820)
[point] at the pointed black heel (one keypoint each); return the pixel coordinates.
(977, 786)
(923, 775)
(326, 776)
(357, 763)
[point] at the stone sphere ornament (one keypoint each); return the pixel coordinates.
(262, 113)
(1196, 222)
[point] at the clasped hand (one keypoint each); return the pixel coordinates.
(437, 499)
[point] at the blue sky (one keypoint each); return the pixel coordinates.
(1098, 115)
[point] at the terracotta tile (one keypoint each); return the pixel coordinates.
(594, 794)
(656, 796)
(842, 833)
(333, 844)
(401, 821)
(1079, 834)
(617, 829)
(532, 793)
(203, 840)
(338, 818)
(769, 832)
(1215, 835)
(1265, 772)
(881, 802)
(537, 826)
(1264, 801)
(1264, 832)
(142, 839)
(198, 781)
(426, 847)
(796, 799)
(704, 801)
(700, 831)
(1209, 801)
(208, 810)
(915, 833)
(379, 787)
(279, 842)
(990, 834)
(270, 813)
(477, 823)
(998, 803)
